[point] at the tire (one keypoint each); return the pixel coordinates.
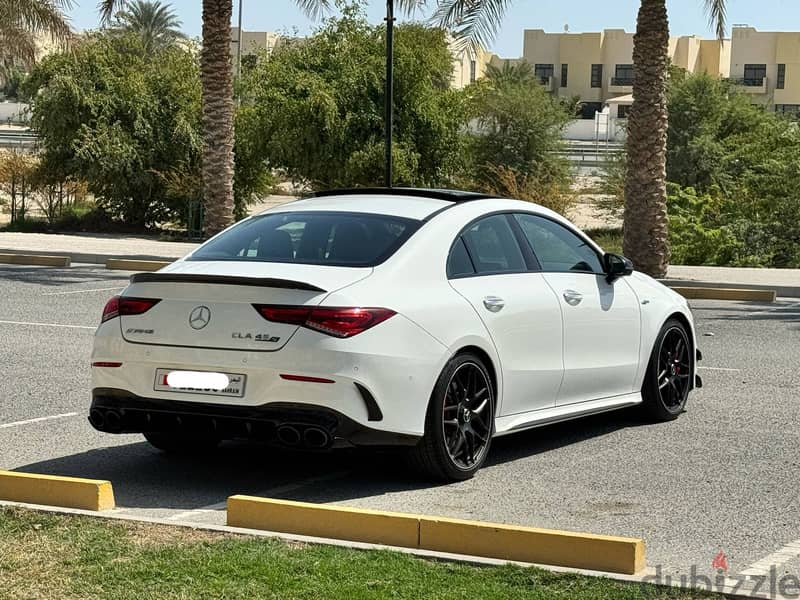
(461, 408)
(172, 443)
(668, 380)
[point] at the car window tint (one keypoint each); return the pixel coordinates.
(459, 263)
(556, 247)
(311, 237)
(493, 247)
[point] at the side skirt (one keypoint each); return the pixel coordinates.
(546, 416)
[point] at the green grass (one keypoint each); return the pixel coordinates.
(49, 556)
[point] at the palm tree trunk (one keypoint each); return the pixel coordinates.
(645, 222)
(217, 81)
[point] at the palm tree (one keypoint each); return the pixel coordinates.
(645, 239)
(23, 23)
(645, 234)
(156, 23)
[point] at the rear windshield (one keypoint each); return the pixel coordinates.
(317, 238)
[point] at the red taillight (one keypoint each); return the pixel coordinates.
(111, 309)
(124, 305)
(335, 321)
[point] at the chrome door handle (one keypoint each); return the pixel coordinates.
(493, 303)
(572, 297)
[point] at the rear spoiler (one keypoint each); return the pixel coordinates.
(287, 284)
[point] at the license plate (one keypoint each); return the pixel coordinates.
(200, 382)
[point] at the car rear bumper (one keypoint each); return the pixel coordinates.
(282, 423)
(381, 379)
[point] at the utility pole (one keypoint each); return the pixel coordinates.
(389, 95)
(239, 45)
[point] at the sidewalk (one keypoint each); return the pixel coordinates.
(96, 248)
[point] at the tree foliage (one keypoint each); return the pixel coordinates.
(735, 170)
(515, 138)
(110, 116)
(318, 105)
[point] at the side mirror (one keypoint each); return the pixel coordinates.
(616, 266)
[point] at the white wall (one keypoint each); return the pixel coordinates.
(586, 130)
(16, 111)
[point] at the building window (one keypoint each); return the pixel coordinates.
(543, 73)
(472, 70)
(597, 77)
(754, 75)
(781, 77)
(564, 70)
(788, 109)
(623, 110)
(623, 75)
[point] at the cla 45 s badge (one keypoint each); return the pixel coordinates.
(258, 337)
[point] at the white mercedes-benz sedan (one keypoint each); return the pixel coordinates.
(430, 319)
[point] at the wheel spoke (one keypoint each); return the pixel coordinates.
(451, 422)
(456, 451)
(482, 407)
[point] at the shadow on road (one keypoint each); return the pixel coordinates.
(147, 479)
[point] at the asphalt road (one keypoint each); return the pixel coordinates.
(722, 477)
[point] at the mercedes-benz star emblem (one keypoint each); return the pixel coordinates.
(200, 317)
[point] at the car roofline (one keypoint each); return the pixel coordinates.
(454, 196)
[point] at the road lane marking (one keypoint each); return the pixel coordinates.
(37, 420)
(761, 568)
(47, 324)
(83, 291)
(721, 369)
(281, 489)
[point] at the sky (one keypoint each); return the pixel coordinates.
(686, 17)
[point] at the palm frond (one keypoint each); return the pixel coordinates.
(717, 13)
(37, 16)
(474, 22)
(107, 8)
(17, 44)
(410, 7)
(314, 9)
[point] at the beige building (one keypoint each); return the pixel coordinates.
(598, 66)
(766, 64)
(468, 65)
(252, 42)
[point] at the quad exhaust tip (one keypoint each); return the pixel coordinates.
(289, 435)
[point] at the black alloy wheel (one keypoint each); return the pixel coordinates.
(460, 421)
(668, 381)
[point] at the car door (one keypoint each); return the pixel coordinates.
(489, 267)
(601, 320)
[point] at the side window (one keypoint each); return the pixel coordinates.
(493, 247)
(459, 263)
(556, 247)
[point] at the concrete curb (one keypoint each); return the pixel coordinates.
(781, 291)
(646, 576)
(92, 259)
(493, 540)
(123, 264)
(35, 259)
(70, 492)
(711, 293)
